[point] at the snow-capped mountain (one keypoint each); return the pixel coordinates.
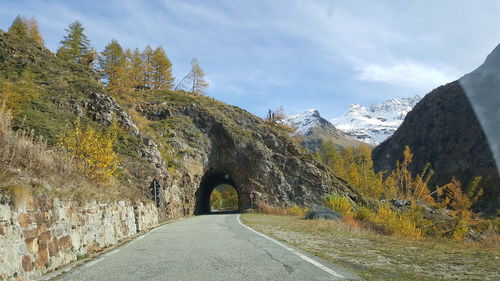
(376, 123)
(305, 121)
(315, 129)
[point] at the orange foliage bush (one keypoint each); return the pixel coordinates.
(351, 221)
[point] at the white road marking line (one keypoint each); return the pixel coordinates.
(306, 258)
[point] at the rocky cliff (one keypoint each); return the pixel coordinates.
(444, 130)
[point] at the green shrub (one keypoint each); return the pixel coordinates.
(80, 256)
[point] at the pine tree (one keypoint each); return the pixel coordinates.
(76, 46)
(19, 27)
(147, 67)
(112, 65)
(33, 31)
(162, 77)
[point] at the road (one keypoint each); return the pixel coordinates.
(210, 247)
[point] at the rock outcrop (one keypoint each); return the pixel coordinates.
(444, 130)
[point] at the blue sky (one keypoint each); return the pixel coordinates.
(299, 54)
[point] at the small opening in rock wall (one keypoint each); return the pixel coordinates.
(223, 191)
(224, 199)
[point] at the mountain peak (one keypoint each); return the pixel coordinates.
(377, 122)
(315, 129)
(313, 112)
(303, 122)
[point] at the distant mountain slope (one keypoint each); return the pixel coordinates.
(443, 129)
(376, 123)
(315, 129)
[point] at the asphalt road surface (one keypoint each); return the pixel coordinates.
(211, 247)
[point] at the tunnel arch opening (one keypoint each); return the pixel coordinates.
(209, 182)
(224, 199)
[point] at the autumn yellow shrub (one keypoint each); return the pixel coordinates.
(363, 213)
(395, 223)
(93, 149)
(461, 226)
(402, 184)
(453, 197)
(296, 211)
(355, 165)
(339, 203)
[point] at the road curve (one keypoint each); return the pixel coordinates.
(210, 247)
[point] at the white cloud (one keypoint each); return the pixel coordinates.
(408, 74)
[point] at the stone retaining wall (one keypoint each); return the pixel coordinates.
(39, 235)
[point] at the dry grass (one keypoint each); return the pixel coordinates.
(280, 211)
(491, 242)
(21, 150)
(28, 165)
(18, 194)
(379, 257)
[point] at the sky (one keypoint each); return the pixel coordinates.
(299, 54)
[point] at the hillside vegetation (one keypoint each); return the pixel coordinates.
(116, 120)
(120, 116)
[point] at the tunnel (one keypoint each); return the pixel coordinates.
(209, 182)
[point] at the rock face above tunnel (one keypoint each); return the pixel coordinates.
(211, 138)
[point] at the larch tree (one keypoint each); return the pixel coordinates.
(27, 28)
(197, 78)
(128, 83)
(19, 27)
(33, 31)
(112, 66)
(328, 154)
(147, 66)
(76, 46)
(194, 80)
(136, 69)
(162, 77)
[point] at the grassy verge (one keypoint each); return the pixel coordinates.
(379, 257)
